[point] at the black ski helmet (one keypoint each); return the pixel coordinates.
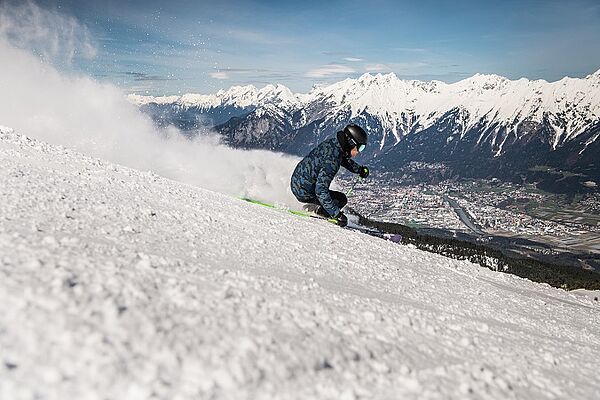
(352, 136)
(357, 133)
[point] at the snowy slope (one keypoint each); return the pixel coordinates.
(117, 283)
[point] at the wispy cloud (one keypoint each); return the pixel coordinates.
(377, 68)
(251, 74)
(220, 75)
(256, 37)
(410, 49)
(334, 53)
(245, 71)
(140, 76)
(408, 66)
(402, 68)
(353, 59)
(329, 70)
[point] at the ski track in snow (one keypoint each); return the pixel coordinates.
(120, 284)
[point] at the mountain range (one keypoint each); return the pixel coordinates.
(485, 126)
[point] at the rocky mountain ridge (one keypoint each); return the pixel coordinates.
(485, 125)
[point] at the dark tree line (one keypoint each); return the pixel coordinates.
(568, 277)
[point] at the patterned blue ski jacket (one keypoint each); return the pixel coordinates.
(313, 175)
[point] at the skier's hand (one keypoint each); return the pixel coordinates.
(363, 172)
(342, 220)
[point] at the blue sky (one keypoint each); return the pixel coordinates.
(170, 47)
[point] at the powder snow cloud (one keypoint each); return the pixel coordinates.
(41, 100)
(328, 70)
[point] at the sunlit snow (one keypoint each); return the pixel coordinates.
(117, 283)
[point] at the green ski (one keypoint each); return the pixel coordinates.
(300, 213)
(382, 235)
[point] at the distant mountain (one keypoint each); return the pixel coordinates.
(483, 126)
(193, 111)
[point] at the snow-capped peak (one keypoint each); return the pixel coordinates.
(595, 75)
(377, 79)
(239, 96)
(402, 105)
(484, 81)
(140, 100)
(277, 93)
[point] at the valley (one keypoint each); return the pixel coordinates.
(517, 218)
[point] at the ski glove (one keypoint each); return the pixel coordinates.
(363, 172)
(342, 220)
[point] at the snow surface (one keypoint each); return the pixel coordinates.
(116, 283)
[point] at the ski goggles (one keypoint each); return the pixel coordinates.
(359, 147)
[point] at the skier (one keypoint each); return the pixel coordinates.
(313, 175)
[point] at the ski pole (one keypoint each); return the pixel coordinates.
(354, 184)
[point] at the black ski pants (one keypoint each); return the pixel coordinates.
(339, 198)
